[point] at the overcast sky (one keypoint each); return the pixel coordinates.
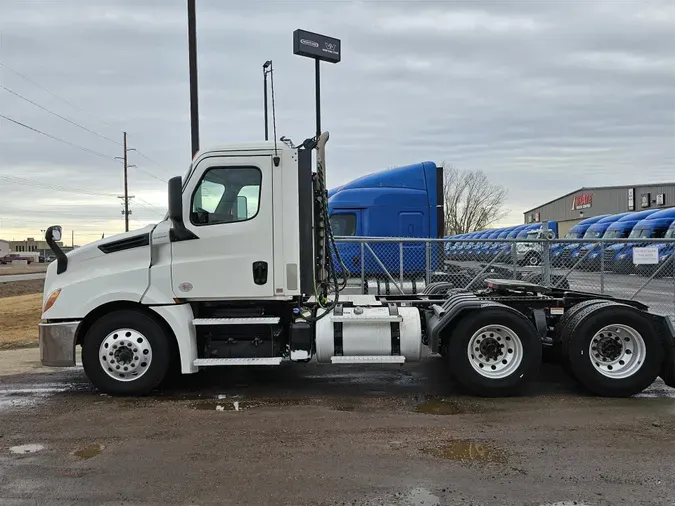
(544, 96)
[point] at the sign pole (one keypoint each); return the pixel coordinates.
(319, 48)
(317, 84)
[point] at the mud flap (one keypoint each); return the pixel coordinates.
(667, 373)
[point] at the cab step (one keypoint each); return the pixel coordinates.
(257, 320)
(206, 362)
(367, 359)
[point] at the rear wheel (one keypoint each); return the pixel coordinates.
(126, 352)
(494, 352)
(612, 349)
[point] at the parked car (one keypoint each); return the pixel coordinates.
(11, 257)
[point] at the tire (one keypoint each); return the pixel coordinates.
(564, 327)
(508, 326)
(141, 336)
(612, 349)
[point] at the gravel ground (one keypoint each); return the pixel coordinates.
(330, 435)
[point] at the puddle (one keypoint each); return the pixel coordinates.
(29, 448)
(226, 405)
(89, 451)
(446, 407)
(468, 451)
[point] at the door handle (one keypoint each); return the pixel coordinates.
(260, 273)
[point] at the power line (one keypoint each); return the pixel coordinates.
(51, 186)
(150, 174)
(55, 95)
(59, 116)
(149, 204)
(86, 150)
(154, 162)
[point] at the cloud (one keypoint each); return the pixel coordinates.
(542, 96)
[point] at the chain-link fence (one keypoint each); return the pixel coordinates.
(637, 269)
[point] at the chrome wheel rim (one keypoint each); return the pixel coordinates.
(617, 351)
(495, 351)
(125, 355)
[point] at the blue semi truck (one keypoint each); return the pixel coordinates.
(402, 202)
(407, 202)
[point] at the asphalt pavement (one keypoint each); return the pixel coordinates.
(6, 278)
(311, 434)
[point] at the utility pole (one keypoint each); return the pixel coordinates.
(72, 238)
(126, 196)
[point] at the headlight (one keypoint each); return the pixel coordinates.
(51, 299)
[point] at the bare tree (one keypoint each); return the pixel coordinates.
(471, 201)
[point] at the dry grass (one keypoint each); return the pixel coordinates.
(19, 318)
(14, 288)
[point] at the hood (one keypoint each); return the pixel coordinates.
(119, 242)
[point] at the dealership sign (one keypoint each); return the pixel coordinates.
(583, 201)
(317, 46)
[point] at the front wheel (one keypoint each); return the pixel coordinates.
(494, 352)
(126, 352)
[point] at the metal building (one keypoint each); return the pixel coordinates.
(573, 207)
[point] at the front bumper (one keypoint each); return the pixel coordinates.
(57, 343)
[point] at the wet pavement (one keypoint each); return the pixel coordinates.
(310, 434)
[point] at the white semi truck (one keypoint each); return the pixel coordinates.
(240, 274)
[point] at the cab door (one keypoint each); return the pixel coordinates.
(227, 204)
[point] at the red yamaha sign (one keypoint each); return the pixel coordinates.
(582, 201)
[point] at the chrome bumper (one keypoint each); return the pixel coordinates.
(57, 343)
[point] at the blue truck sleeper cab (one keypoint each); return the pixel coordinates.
(653, 227)
(561, 253)
(666, 250)
(582, 252)
(402, 202)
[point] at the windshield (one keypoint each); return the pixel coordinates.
(640, 232)
(670, 233)
(615, 234)
(593, 234)
(573, 235)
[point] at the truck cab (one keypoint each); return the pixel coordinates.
(471, 251)
(620, 229)
(505, 249)
(405, 202)
(560, 254)
(529, 252)
(654, 226)
(581, 251)
(665, 266)
(497, 248)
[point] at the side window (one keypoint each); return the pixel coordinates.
(343, 225)
(226, 195)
